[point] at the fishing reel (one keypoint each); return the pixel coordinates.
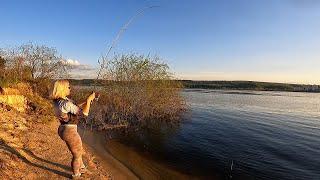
(97, 95)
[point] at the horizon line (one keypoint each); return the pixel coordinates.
(216, 81)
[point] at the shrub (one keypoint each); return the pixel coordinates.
(138, 91)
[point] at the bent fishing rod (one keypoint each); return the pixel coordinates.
(116, 40)
(104, 59)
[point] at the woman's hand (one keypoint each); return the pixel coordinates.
(86, 106)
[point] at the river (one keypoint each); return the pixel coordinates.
(232, 135)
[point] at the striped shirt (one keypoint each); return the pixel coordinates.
(67, 111)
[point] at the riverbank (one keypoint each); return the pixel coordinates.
(95, 142)
(31, 149)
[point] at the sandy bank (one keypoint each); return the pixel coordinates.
(95, 143)
(31, 149)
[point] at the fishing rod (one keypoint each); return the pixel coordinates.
(113, 44)
(116, 39)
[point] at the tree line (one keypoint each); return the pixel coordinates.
(250, 85)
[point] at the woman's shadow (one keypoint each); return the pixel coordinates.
(7, 148)
(68, 168)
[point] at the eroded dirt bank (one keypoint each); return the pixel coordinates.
(31, 149)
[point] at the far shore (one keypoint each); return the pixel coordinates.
(222, 85)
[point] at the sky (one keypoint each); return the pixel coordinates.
(265, 40)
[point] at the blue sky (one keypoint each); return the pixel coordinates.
(265, 40)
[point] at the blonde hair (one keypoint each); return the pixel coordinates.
(60, 89)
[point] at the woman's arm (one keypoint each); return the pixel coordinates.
(81, 104)
(86, 105)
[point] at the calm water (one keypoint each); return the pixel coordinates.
(261, 135)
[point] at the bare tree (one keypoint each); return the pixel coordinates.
(43, 61)
(39, 61)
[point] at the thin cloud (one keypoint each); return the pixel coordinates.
(75, 64)
(72, 62)
(80, 71)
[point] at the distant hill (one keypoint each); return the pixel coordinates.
(232, 85)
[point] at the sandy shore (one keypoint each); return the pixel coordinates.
(31, 149)
(95, 142)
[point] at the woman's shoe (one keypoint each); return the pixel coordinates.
(75, 176)
(84, 171)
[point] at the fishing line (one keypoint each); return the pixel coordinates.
(104, 59)
(116, 39)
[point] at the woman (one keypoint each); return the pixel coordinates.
(69, 114)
